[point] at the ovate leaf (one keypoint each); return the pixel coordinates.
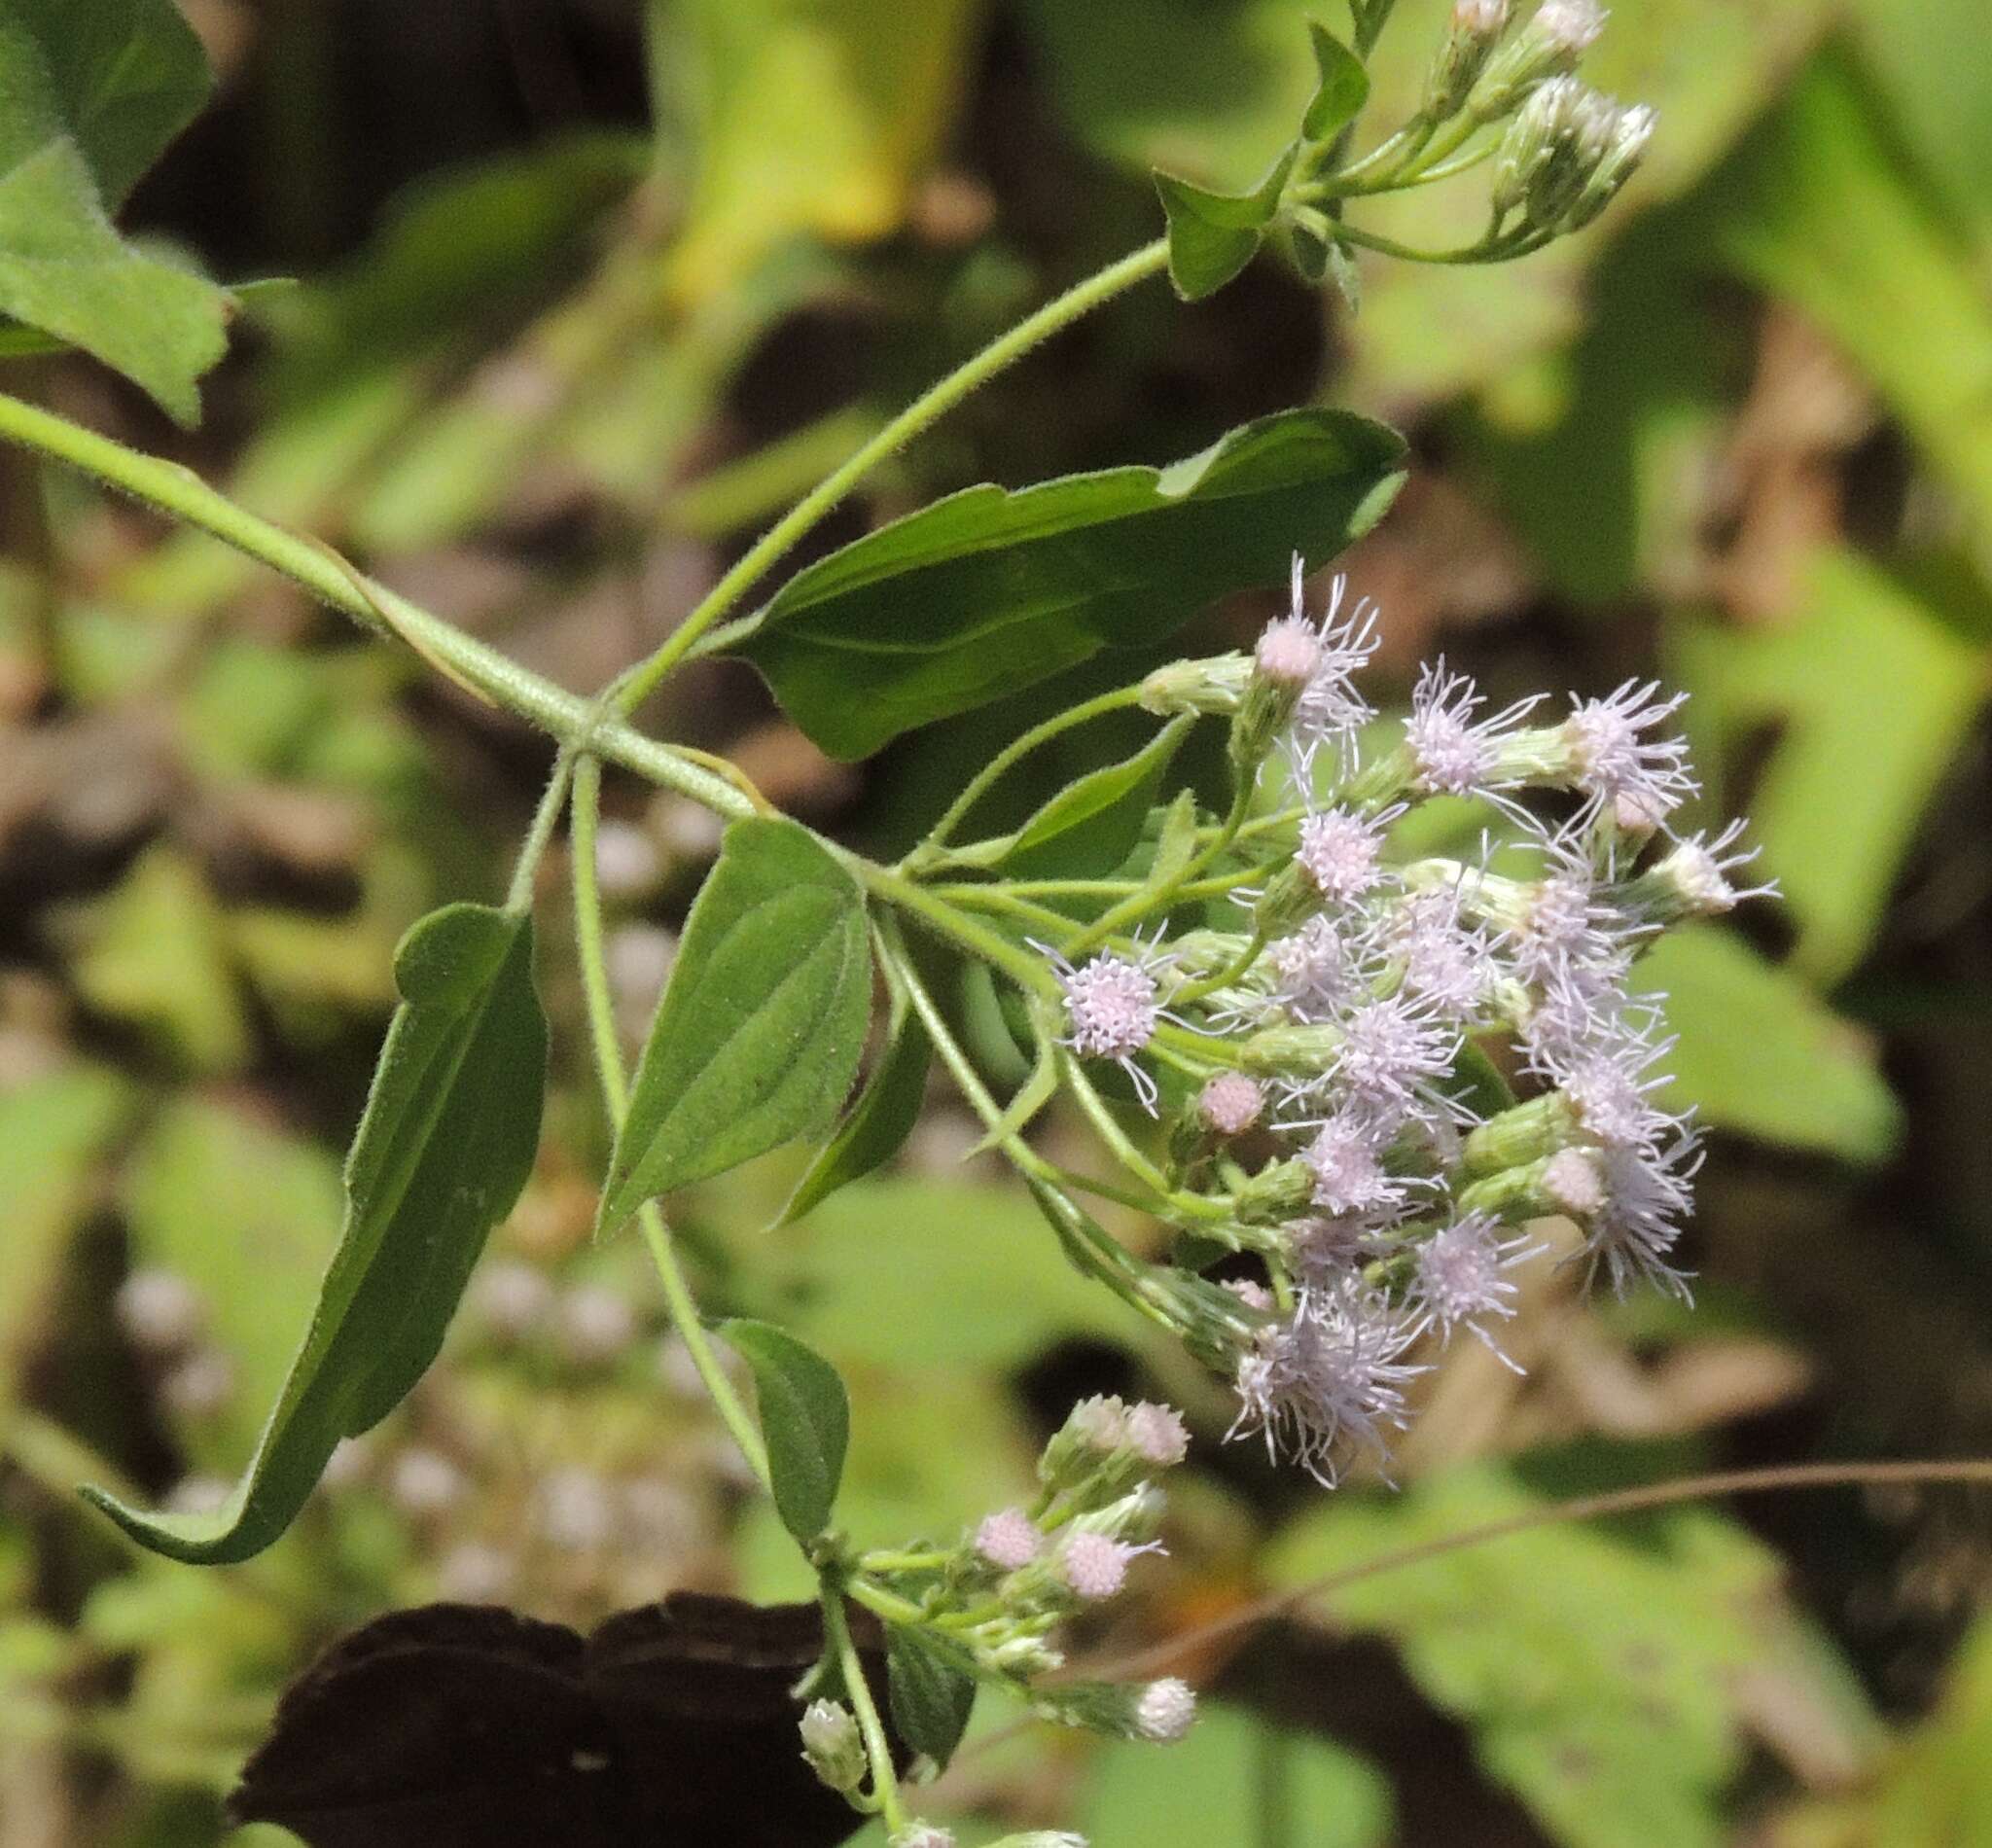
(879, 1122)
(759, 1035)
(444, 1148)
(806, 1417)
(930, 1690)
(1343, 89)
(88, 97)
(1213, 235)
(990, 591)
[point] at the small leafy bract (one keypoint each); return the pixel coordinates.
(759, 1032)
(444, 1148)
(1343, 89)
(806, 1417)
(988, 591)
(931, 1690)
(1213, 235)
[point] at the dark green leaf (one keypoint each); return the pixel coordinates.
(880, 1120)
(759, 1035)
(118, 78)
(806, 1417)
(930, 1690)
(988, 591)
(89, 95)
(1213, 235)
(441, 1151)
(1477, 1083)
(1343, 89)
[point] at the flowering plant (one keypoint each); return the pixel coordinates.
(1346, 1071)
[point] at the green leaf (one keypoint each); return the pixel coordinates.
(806, 1417)
(880, 1120)
(1761, 1053)
(445, 1143)
(1872, 693)
(1607, 1675)
(56, 1137)
(757, 1038)
(88, 97)
(931, 1690)
(1230, 1766)
(1213, 235)
(1090, 825)
(990, 591)
(1343, 89)
(118, 78)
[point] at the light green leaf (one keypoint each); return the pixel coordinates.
(806, 1417)
(1602, 1674)
(757, 1038)
(1759, 1051)
(88, 97)
(1343, 89)
(986, 591)
(444, 1148)
(1213, 235)
(808, 116)
(880, 1120)
(930, 1690)
(1165, 1797)
(54, 1137)
(1871, 695)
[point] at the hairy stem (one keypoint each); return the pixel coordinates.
(615, 1086)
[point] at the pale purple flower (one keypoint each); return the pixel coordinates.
(1317, 969)
(1113, 1006)
(1619, 767)
(1647, 1188)
(1448, 965)
(1394, 1051)
(1008, 1539)
(1454, 752)
(1095, 1565)
(1329, 1380)
(1699, 872)
(1340, 852)
(1331, 711)
(1610, 1081)
(1571, 25)
(1231, 1102)
(1347, 1167)
(1460, 1274)
(1158, 1434)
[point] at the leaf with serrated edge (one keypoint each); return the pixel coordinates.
(986, 591)
(442, 1150)
(806, 1417)
(929, 1690)
(760, 1029)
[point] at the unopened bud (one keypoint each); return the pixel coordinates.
(831, 1745)
(1230, 1103)
(1572, 1182)
(1217, 685)
(1625, 148)
(1008, 1539)
(1165, 1711)
(1550, 44)
(1470, 37)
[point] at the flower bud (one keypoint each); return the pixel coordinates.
(831, 1745)
(1159, 1712)
(1471, 35)
(1550, 44)
(1230, 1103)
(1216, 685)
(1165, 1711)
(1631, 130)
(1523, 1133)
(1008, 1539)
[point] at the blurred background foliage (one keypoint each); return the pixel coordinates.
(586, 294)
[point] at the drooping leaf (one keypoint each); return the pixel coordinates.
(444, 1148)
(806, 1417)
(988, 591)
(878, 1123)
(759, 1034)
(1213, 235)
(88, 97)
(931, 1690)
(1343, 89)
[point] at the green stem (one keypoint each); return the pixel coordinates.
(837, 1629)
(182, 494)
(518, 897)
(1210, 985)
(1016, 751)
(1022, 968)
(615, 1086)
(936, 402)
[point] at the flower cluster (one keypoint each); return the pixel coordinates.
(1335, 1052)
